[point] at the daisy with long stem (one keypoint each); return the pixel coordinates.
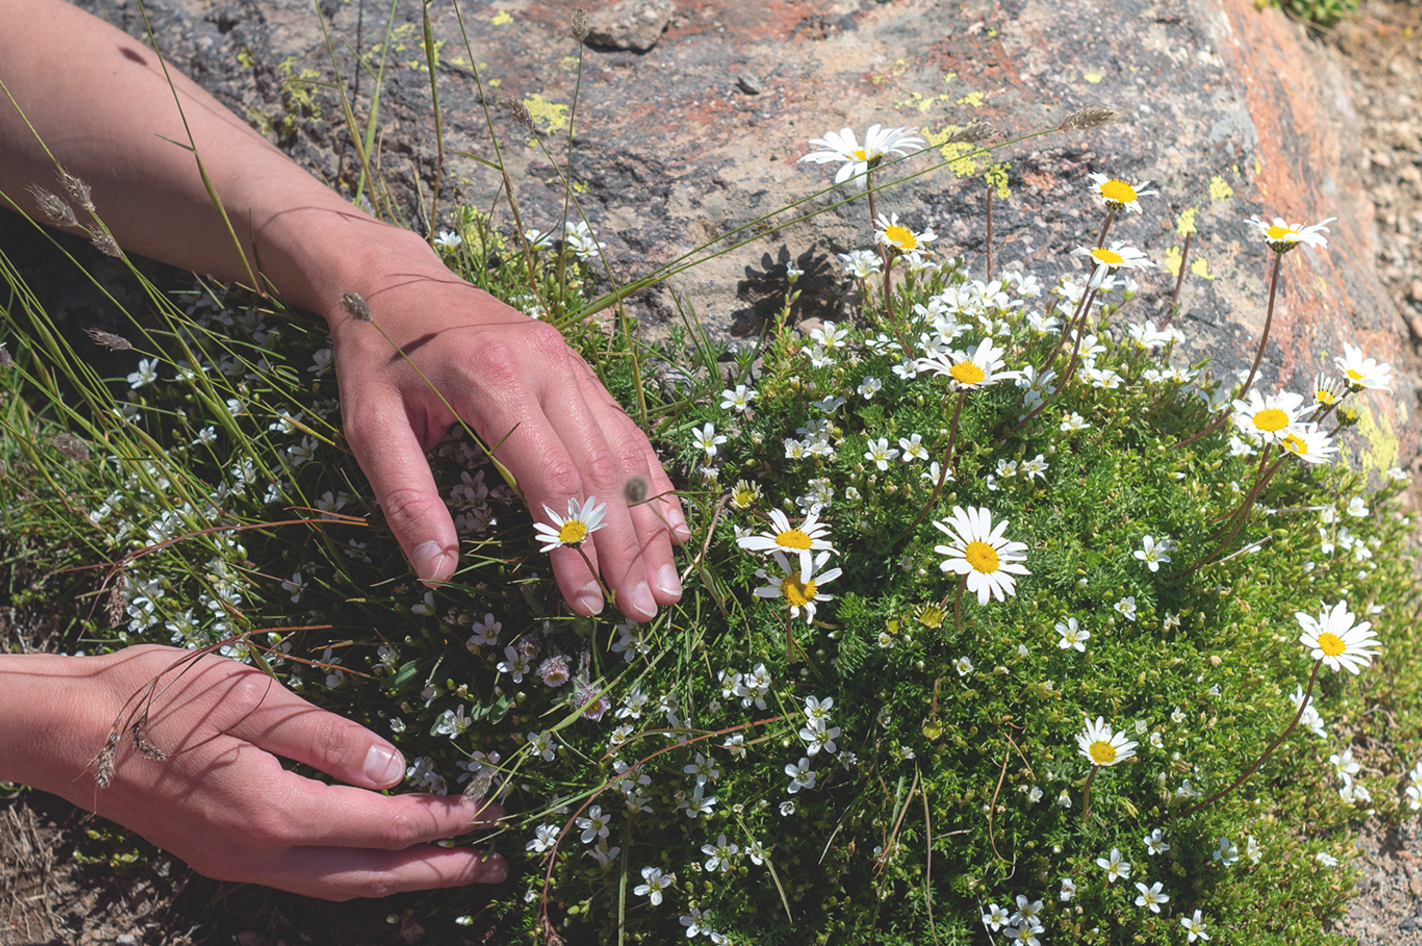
(965, 372)
(1281, 238)
(1333, 639)
(894, 240)
(1103, 747)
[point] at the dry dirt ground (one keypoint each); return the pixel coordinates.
(50, 894)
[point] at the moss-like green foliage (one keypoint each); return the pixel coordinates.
(941, 732)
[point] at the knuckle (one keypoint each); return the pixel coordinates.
(405, 507)
(603, 471)
(561, 478)
(399, 830)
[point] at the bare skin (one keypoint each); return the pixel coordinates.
(221, 800)
(103, 106)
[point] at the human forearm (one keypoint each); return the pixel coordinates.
(51, 706)
(107, 113)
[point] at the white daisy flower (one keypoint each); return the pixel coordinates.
(1283, 237)
(1105, 261)
(1102, 746)
(798, 586)
(899, 238)
(843, 146)
(1307, 442)
(1336, 640)
(584, 518)
(966, 371)
(804, 540)
(979, 551)
(1270, 417)
(1363, 372)
(1116, 194)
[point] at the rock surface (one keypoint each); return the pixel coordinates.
(1229, 110)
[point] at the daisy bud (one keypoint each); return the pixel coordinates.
(354, 305)
(56, 212)
(1093, 116)
(109, 340)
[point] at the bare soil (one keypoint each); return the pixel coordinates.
(65, 880)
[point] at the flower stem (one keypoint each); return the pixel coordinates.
(943, 473)
(1303, 704)
(989, 231)
(1086, 793)
(1218, 422)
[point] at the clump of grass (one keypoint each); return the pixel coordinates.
(973, 617)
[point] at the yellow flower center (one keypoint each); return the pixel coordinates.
(1108, 257)
(572, 532)
(1271, 419)
(1118, 192)
(965, 372)
(1287, 234)
(1324, 396)
(902, 237)
(793, 539)
(1295, 444)
(796, 592)
(743, 497)
(982, 557)
(1331, 644)
(861, 153)
(1102, 753)
(1355, 374)
(931, 616)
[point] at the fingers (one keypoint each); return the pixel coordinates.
(387, 448)
(342, 874)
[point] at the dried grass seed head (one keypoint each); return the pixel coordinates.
(354, 305)
(104, 241)
(580, 27)
(519, 112)
(1093, 116)
(109, 340)
(53, 208)
(973, 134)
(71, 446)
(5, 360)
(77, 190)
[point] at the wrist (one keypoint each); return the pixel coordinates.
(52, 707)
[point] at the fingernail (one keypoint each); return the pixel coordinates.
(668, 580)
(496, 870)
(429, 561)
(642, 600)
(384, 765)
(590, 598)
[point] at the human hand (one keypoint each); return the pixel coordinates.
(221, 800)
(515, 381)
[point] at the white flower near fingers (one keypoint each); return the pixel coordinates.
(584, 518)
(803, 540)
(798, 586)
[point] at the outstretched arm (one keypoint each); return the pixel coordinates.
(104, 106)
